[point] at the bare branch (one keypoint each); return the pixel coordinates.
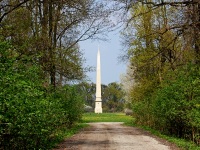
(12, 9)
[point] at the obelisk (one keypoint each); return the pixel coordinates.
(98, 101)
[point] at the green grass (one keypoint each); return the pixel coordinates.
(128, 120)
(90, 117)
(107, 117)
(66, 133)
(181, 143)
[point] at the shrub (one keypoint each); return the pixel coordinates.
(177, 102)
(31, 115)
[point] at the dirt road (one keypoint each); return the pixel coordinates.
(114, 136)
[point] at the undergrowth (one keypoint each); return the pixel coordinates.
(65, 133)
(181, 143)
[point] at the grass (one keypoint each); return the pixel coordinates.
(66, 133)
(107, 117)
(128, 120)
(90, 117)
(181, 143)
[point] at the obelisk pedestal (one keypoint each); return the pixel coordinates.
(98, 101)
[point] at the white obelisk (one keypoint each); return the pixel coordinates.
(98, 102)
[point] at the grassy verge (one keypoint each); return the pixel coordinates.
(89, 117)
(66, 133)
(181, 143)
(107, 117)
(128, 120)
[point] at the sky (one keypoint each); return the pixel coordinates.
(111, 67)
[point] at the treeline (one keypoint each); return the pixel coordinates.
(39, 60)
(112, 96)
(163, 50)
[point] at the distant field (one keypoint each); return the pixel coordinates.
(106, 117)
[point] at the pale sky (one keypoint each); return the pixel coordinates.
(111, 68)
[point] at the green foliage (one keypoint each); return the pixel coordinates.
(71, 104)
(141, 101)
(164, 65)
(66, 133)
(31, 115)
(172, 107)
(176, 105)
(181, 143)
(88, 90)
(48, 31)
(113, 98)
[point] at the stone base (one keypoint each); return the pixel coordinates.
(98, 110)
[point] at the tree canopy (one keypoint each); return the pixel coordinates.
(162, 48)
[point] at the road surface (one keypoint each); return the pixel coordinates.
(114, 136)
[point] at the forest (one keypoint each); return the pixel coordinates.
(42, 71)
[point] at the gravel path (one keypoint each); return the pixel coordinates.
(114, 136)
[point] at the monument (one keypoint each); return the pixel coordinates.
(98, 101)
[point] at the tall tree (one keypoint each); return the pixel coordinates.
(163, 55)
(113, 98)
(54, 28)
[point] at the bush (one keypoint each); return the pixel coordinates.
(128, 112)
(173, 106)
(72, 105)
(88, 108)
(31, 115)
(177, 102)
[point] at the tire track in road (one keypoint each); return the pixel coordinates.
(114, 136)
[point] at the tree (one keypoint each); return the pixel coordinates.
(112, 95)
(52, 31)
(113, 98)
(161, 49)
(127, 83)
(6, 9)
(88, 90)
(184, 18)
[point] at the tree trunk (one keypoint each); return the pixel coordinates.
(51, 47)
